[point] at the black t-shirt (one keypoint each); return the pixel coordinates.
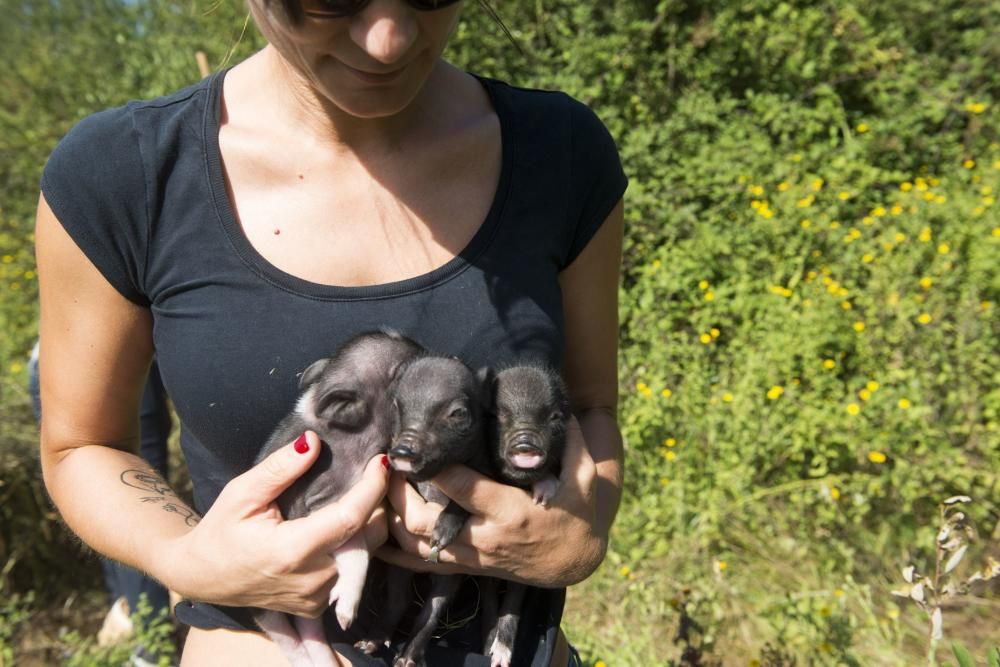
(140, 189)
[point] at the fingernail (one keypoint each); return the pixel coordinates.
(385, 461)
(301, 445)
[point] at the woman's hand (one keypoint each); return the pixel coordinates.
(243, 553)
(508, 535)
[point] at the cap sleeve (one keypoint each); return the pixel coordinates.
(597, 180)
(94, 184)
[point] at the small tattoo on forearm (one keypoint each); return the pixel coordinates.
(145, 480)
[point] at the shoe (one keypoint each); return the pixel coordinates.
(117, 625)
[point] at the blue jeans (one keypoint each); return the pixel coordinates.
(154, 430)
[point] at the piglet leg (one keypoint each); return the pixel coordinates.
(313, 638)
(544, 490)
(282, 632)
(502, 650)
(447, 527)
(443, 589)
(352, 566)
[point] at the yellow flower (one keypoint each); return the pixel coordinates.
(900, 237)
(975, 107)
(996, 231)
(705, 338)
(839, 593)
(862, 128)
(904, 404)
(669, 455)
(709, 295)
(924, 318)
(896, 210)
(853, 409)
(868, 258)
(624, 570)
(715, 333)
(867, 220)
(656, 264)
(926, 282)
(934, 181)
(756, 190)
(846, 305)
(796, 157)
(670, 442)
(721, 565)
(985, 305)
(835, 493)
(843, 196)
(906, 186)
(929, 196)
(775, 392)
(783, 186)
(872, 385)
(805, 223)
(16, 368)
(806, 201)
(940, 199)
(944, 248)
(817, 185)
(7, 259)
(864, 394)
(988, 201)
(703, 284)
(755, 204)
(986, 190)
(727, 397)
(925, 235)
(878, 211)
(664, 481)
(859, 326)
(969, 164)
(876, 457)
(829, 364)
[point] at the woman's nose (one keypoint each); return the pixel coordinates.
(385, 30)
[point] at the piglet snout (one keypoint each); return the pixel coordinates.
(403, 454)
(526, 454)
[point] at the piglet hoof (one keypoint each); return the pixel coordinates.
(544, 490)
(434, 554)
(403, 661)
(500, 656)
(368, 646)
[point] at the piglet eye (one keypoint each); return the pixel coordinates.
(458, 414)
(556, 417)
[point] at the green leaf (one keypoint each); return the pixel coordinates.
(962, 655)
(993, 656)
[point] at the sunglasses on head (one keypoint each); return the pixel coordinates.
(343, 8)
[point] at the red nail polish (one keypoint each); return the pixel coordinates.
(301, 446)
(385, 461)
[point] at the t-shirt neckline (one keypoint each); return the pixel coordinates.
(479, 242)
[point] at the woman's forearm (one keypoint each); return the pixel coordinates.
(118, 505)
(604, 442)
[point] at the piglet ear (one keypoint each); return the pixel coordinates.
(343, 408)
(486, 379)
(313, 373)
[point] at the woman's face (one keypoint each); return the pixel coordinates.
(371, 64)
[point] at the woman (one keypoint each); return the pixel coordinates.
(345, 177)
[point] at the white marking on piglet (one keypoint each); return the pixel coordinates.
(352, 567)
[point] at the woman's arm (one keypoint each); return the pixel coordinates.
(96, 349)
(508, 535)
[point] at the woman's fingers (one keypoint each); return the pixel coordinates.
(259, 486)
(331, 525)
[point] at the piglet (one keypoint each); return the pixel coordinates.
(344, 400)
(527, 437)
(438, 409)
